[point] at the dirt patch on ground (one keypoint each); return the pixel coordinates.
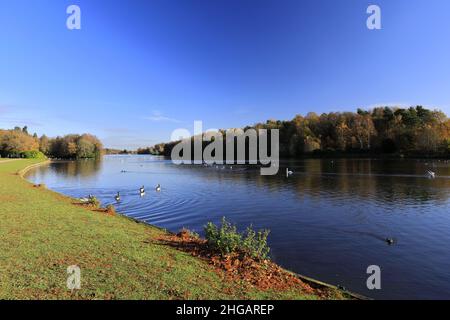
(110, 211)
(264, 275)
(8, 198)
(107, 211)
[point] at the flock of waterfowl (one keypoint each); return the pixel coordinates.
(430, 174)
(390, 241)
(117, 197)
(216, 166)
(141, 192)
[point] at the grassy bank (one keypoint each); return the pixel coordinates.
(42, 233)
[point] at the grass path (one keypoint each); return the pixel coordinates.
(4, 160)
(42, 233)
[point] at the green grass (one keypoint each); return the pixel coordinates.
(42, 233)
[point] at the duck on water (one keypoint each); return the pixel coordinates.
(431, 174)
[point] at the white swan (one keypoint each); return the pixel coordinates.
(288, 172)
(431, 174)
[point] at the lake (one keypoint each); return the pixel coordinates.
(329, 220)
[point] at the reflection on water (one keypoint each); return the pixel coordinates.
(329, 220)
(76, 169)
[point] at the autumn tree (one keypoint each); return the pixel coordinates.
(415, 131)
(14, 142)
(44, 144)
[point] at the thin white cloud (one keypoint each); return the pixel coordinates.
(159, 117)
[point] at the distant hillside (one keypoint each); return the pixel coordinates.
(117, 151)
(415, 131)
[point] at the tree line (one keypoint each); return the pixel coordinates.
(414, 131)
(18, 143)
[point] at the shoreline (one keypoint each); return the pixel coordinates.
(354, 156)
(313, 282)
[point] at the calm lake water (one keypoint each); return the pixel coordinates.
(329, 220)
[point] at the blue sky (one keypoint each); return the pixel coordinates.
(139, 69)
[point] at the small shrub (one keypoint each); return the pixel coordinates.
(32, 155)
(194, 235)
(255, 243)
(188, 234)
(93, 201)
(110, 209)
(227, 240)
